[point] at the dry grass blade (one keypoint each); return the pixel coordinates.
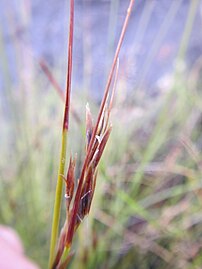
(57, 87)
(51, 78)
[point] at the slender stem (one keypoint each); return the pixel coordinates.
(58, 193)
(57, 87)
(51, 78)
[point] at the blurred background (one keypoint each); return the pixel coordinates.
(146, 211)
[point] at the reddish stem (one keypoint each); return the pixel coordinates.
(69, 68)
(51, 78)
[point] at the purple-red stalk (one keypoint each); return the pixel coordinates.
(69, 68)
(51, 78)
(57, 87)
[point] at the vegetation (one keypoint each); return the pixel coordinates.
(146, 210)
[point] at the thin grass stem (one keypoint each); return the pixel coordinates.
(58, 194)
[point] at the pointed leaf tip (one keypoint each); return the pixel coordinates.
(89, 125)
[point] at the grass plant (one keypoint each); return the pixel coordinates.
(97, 137)
(146, 209)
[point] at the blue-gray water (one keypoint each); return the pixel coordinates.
(149, 50)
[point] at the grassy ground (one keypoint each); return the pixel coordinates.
(146, 211)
